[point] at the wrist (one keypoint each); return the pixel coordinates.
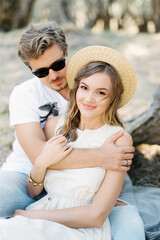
(96, 157)
(40, 165)
(34, 183)
(38, 171)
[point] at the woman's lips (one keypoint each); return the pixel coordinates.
(88, 107)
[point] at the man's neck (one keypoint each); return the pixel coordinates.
(65, 93)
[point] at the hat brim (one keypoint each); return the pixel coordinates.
(110, 56)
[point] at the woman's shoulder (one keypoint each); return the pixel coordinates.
(125, 139)
(111, 129)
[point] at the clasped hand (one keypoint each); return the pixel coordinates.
(116, 157)
(54, 150)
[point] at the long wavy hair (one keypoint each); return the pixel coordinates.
(72, 116)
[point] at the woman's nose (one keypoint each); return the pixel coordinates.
(90, 97)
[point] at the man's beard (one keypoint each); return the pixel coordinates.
(59, 87)
(63, 87)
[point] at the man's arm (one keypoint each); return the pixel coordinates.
(110, 156)
(31, 138)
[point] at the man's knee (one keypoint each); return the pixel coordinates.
(13, 192)
(126, 223)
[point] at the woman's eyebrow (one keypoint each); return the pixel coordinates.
(102, 89)
(96, 88)
(83, 83)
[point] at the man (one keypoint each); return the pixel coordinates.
(44, 50)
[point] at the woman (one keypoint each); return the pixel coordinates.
(78, 201)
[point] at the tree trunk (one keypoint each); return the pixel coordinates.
(143, 27)
(14, 14)
(156, 14)
(146, 127)
(59, 12)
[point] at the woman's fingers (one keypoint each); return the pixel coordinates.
(66, 146)
(61, 142)
(61, 137)
(67, 150)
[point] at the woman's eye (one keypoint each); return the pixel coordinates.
(84, 87)
(101, 93)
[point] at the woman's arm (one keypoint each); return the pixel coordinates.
(53, 151)
(106, 197)
(93, 215)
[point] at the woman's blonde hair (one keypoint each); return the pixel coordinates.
(72, 117)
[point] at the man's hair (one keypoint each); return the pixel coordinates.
(38, 38)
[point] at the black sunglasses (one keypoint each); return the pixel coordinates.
(56, 66)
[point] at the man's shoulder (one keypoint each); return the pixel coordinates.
(31, 86)
(28, 84)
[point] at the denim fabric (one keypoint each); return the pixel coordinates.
(126, 223)
(13, 192)
(147, 201)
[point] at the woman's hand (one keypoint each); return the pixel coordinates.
(20, 212)
(54, 150)
(29, 214)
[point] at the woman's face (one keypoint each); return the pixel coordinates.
(93, 95)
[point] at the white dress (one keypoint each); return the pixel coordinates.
(65, 189)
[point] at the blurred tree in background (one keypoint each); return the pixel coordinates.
(15, 13)
(142, 15)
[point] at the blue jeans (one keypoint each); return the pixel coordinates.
(13, 192)
(126, 223)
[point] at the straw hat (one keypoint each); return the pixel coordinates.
(112, 57)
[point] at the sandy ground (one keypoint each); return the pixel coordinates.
(143, 51)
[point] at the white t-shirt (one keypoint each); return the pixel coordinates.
(31, 101)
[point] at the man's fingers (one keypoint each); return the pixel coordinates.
(116, 136)
(124, 169)
(127, 156)
(126, 163)
(129, 149)
(126, 149)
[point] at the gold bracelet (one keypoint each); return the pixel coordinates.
(33, 182)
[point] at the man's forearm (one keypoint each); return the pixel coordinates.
(110, 156)
(79, 158)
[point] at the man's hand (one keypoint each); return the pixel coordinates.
(113, 156)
